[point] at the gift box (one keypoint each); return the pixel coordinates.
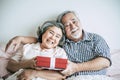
(51, 62)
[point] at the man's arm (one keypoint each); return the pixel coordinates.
(95, 64)
(18, 40)
(28, 39)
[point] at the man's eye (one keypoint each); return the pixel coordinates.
(67, 25)
(74, 22)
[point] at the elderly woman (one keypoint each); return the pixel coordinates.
(50, 35)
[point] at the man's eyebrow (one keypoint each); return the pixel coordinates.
(73, 19)
(70, 20)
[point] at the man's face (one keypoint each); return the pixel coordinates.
(72, 26)
(51, 37)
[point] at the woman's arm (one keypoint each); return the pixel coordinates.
(18, 40)
(14, 66)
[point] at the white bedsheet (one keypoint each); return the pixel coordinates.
(82, 77)
(91, 77)
(87, 77)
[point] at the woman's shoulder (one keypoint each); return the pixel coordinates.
(61, 52)
(59, 48)
(31, 45)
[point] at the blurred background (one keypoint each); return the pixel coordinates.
(22, 17)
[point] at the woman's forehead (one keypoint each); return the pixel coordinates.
(55, 29)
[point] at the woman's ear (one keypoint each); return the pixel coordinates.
(62, 41)
(39, 34)
(39, 31)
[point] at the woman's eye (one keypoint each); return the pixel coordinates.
(51, 32)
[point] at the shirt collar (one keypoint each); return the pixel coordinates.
(87, 36)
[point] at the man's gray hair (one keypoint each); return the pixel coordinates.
(59, 18)
(42, 29)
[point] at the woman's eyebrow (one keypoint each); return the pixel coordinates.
(59, 35)
(52, 31)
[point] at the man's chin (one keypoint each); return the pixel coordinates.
(76, 36)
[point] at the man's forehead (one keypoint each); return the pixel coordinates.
(69, 20)
(68, 16)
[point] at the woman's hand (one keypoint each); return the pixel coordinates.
(71, 69)
(30, 63)
(15, 42)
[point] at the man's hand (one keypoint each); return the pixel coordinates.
(71, 69)
(13, 44)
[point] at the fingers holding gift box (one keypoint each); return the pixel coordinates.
(51, 63)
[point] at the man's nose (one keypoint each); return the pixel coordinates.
(72, 26)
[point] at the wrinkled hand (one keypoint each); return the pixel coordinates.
(27, 75)
(31, 63)
(71, 69)
(39, 68)
(14, 44)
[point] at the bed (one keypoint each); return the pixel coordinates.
(113, 72)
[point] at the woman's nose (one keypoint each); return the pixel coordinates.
(53, 37)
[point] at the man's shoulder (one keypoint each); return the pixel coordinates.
(94, 35)
(91, 34)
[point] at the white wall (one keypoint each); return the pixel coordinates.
(21, 17)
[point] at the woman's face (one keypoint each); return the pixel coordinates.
(51, 37)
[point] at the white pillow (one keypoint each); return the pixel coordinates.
(4, 58)
(114, 70)
(3, 61)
